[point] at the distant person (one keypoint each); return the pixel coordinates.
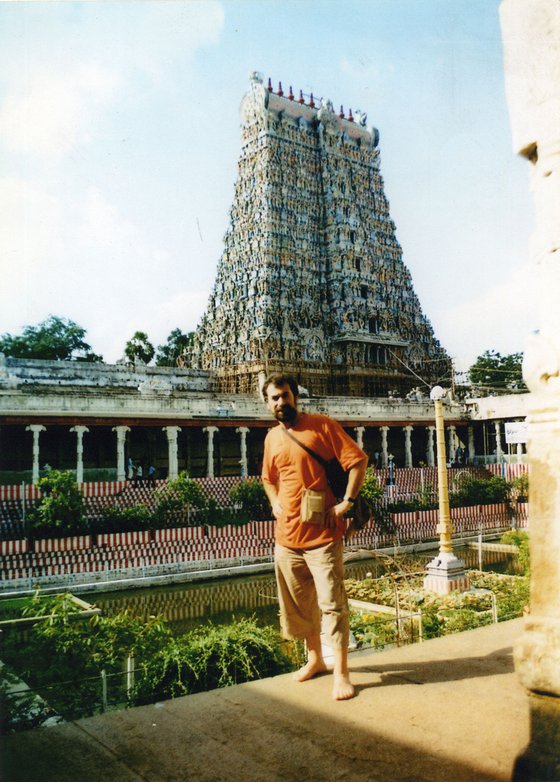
(151, 475)
(130, 469)
(376, 459)
(138, 476)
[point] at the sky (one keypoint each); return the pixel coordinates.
(120, 136)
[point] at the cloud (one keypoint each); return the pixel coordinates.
(54, 110)
(63, 72)
(498, 318)
(29, 243)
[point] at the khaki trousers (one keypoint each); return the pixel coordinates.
(311, 587)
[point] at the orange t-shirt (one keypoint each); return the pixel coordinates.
(290, 469)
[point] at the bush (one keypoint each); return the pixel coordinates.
(61, 510)
(115, 519)
(519, 538)
(184, 489)
(176, 500)
(251, 496)
(371, 490)
(211, 657)
(63, 658)
(479, 491)
(216, 516)
(520, 487)
(441, 615)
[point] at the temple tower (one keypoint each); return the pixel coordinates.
(311, 279)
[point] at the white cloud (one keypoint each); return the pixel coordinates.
(53, 111)
(29, 244)
(60, 75)
(498, 318)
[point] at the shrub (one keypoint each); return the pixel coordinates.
(115, 519)
(61, 509)
(371, 491)
(519, 538)
(251, 496)
(441, 615)
(176, 500)
(521, 487)
(211, 657)
(479, 491)
(63, 658)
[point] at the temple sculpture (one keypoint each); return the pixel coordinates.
(311, 279)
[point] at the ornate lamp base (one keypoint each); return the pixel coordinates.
(446, 573)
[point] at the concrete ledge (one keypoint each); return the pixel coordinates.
(450, 708)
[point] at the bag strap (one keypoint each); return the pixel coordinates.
(310, 451)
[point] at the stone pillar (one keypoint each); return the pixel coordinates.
(360, 435)
(531, 39)
(243, 431)
(36, 429)
(499, 451)
(470, 451)
(384, 448)
(172, 451)
(80, 430)
(451, 430)
(430, 458)
(121, 440)
(519, 452)
(408, 445)
(210, 430)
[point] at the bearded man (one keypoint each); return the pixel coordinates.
(310, 526)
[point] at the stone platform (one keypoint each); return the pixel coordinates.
(448, 709)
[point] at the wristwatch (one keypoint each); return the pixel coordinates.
(350, 499)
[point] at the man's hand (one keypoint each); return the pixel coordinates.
(277, 509)
(336, 513)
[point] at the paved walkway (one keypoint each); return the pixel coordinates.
(447, 709)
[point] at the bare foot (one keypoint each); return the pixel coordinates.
(309, 670)
(343, 689)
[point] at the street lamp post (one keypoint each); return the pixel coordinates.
(445, 572)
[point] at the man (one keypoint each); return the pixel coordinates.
(310, 527)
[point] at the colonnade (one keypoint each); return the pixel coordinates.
(382, 457)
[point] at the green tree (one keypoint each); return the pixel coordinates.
(251, 497)
(177, 499)
(492, 371)
(175, 351)
(139, 348)
(371, 490)
(479, 491)
(54, 339)
(61, 510)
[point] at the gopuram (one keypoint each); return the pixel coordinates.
(311, 279)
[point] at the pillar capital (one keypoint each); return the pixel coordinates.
(35, 428)
(171, 431)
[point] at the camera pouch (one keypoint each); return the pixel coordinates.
(313, 507)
